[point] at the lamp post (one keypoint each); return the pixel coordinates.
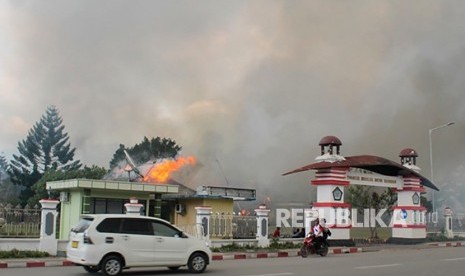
(431, 155)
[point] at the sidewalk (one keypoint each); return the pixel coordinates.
(61, 261)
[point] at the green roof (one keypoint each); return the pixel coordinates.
(112, 185)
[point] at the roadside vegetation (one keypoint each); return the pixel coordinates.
(15, 253)
(274, 246)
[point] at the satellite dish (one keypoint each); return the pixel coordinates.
(131, 164)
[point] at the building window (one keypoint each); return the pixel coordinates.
(109, 205)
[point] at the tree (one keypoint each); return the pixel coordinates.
(155, 148)
(362, 197)
(40, 192)
(45, 147)
(3, 169)
(8, 191)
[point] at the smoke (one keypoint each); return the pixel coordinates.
(252, 84)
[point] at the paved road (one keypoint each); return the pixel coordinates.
(425, 262)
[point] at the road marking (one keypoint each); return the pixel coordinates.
(454, 259)
(376, 266)
(273, 274)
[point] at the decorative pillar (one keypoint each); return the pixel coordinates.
(330, 184)
(330, 202)
(48, 241)
(409, 217)
(262, 225)
(448, 228)
(203, 221)
(157, 206)
(133, 207)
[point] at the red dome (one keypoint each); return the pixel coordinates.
(330, 140)
(408, 152)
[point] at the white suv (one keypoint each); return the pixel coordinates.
(111, 243)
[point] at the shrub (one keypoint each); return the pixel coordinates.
(15, 253)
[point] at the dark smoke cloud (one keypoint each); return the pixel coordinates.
(249, 87)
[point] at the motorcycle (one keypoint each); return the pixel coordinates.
(314, 245)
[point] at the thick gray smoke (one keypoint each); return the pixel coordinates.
(248, 87)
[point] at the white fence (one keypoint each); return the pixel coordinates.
(226, 226)
(19, 222)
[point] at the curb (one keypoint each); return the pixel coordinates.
(447, 244)
(32, 263)
(279, 254)
(216, 257)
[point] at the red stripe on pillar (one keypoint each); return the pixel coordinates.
(331, 204)
(330, 182)
(408, 226)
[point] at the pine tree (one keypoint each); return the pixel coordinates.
(3, 168)
(8, 192)
(45, 147)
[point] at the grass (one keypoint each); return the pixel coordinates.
(384, 233)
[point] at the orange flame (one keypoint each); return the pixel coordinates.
(161, 172)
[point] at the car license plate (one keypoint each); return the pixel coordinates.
(74, 244)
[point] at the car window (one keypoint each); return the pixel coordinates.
(82, 226)
(137, 226)
(165, 230)
(109, 225)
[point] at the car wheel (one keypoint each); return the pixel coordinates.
(91, 268)
(197, 263)
(173, 267)
(112, 265)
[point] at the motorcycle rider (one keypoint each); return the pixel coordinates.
(320, 233)
(326, 231)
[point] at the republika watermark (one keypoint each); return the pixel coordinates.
(296, 217)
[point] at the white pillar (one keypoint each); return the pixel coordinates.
(330, 203)
(262, 226)
(133, 207)
(448, 216)
(409, 223)
(203, 221)
(48, 241)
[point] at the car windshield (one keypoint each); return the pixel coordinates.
(82, 225)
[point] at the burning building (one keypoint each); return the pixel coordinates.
(153, 186)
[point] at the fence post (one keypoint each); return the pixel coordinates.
(133, 207)
(448, 215)
(262, 226)
(48, 241)
(203, 221)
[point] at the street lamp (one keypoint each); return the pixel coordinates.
(431, 154)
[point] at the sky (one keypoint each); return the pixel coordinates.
(247, 87)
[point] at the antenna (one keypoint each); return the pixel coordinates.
(226, 179)
(222, 172)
